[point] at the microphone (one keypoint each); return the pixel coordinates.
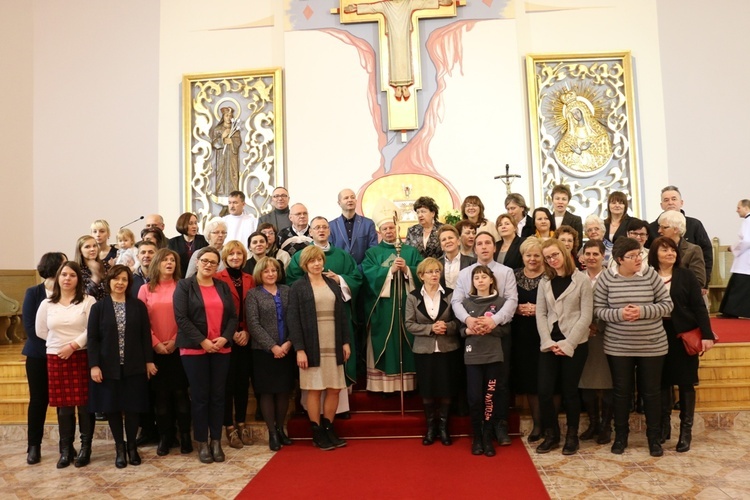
(133, 221)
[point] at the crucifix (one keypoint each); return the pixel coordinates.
(508, 178)
(400, 68)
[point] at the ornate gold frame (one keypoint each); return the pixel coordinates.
(255, 97)
(583, 129)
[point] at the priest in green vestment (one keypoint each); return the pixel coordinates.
(340, 267)
(388, 280)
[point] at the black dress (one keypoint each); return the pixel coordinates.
(524, 356)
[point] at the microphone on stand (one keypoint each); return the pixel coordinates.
(133, 221)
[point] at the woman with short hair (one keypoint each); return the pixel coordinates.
(472, 209)
(216, 233)
(240, 283)
(544, 223)
(188, 241)
(429, 317)
(673, 225)
(155, 235)
(507, 248)
(120, 361)
(273, 250)
(424, 235)
(266, 308)
(206, 323)
(632, 304)
(319, 330)
(516, 206)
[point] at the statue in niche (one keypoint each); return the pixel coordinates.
(585, 145)
(398, 29)
(226, 141)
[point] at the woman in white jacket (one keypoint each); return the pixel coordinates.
(564, 307)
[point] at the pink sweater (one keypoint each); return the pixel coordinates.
(160, 311)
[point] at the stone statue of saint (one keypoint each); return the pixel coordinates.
(226, 141)
(585, 145)
(398, 29)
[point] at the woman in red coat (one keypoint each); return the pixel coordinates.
(234, 256)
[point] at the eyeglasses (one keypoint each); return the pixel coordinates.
(319, 228)
(553, 256)
(219, 232)
(637, 234)
(432, 271)
(637, 256)
(471, 205)
(208, 262)
(280, 196)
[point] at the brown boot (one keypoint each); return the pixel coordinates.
(245, 435)
(233, 436)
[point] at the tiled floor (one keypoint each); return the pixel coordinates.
(718, 466)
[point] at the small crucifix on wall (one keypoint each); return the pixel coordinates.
(400, 67)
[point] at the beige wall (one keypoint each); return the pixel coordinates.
(93, 127)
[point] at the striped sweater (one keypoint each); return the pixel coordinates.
(644, 337)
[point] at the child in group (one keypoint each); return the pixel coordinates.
(127, 254)
(483, 357)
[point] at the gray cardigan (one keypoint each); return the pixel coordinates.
(572, 310)
(419, 324)
(260, 314)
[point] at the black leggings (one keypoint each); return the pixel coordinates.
(115, 420)
(482, 382)
(36, 374)
(238, 385)
(171, 405)
(649, 386)
(568, 371)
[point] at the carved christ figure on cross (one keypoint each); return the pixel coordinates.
(398, 28)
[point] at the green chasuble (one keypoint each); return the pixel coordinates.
(343, 264)
(385, 322)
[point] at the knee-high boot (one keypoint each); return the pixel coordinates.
(666, 413)
(687, 412)
(430, 417)
(605, 434)
(445, 435)
(66, 421)
(86, 426)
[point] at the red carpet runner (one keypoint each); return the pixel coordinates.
(397, 468)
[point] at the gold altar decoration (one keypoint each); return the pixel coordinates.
(583, 129)
(399, 48)
(233, 140)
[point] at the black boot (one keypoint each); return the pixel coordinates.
(621, 442)
(666, 413)
(162, 449)
(488, 433)
(431, 424)
(33, 454)
(186, 443)
(477, 445)
(654, 447)
(331, 432)
(86, 426)
(687, 413)
(445, 436)
(216, 450)
(204, 453)
(571, 441)
(133, 457)
(283, 438)
(67, 424)
(320, 438)
(591, 402)
(605, 432)
(501, 433)
(274, 444)
(551, 440)
(120, 461)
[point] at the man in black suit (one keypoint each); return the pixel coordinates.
(671, 199)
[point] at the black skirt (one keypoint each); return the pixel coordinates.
(437, 373)
(271, 375)
(524, 355)
(679, 367)
(128, 394)
(170, 375)
(735, 301)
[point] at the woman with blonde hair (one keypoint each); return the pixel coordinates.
(101, 233)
